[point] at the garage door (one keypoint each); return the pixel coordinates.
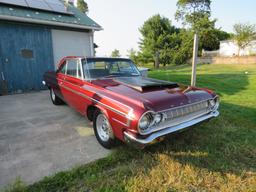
(25, 54)
(70, 43)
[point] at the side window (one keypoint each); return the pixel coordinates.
(100, 65)
(113, 68)
(125, 67)
(63, 68)
(73, 68)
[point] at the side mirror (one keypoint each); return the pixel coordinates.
(143, 71)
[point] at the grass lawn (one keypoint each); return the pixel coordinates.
(219, 155)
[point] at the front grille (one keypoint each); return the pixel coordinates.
(178, 115)
(187, 110)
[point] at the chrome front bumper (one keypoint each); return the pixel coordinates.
(129, 138)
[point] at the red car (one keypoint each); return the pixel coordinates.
(125, 105)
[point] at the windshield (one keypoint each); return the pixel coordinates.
(96, 68)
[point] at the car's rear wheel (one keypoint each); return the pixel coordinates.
(102, 130)
(55, 99)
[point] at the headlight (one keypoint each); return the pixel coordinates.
(214, 103)
(149, 120)
(146, 121)
(158, 118)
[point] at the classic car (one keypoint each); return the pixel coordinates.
(124, 105)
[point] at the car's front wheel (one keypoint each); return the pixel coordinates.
(102, 130)
(55, 99)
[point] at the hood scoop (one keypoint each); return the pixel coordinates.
(143, 84)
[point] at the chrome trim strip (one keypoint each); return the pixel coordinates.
(100, 96)
(96, 101)
(126, 125)
(153, 136)
(115, 101)
(81, 68)
(103, 96)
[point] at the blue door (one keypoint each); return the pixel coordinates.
(25, 55)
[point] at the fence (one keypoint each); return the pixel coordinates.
(228, 60)
(210, 53)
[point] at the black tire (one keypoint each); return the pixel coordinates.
(109, 142)
(55, 99)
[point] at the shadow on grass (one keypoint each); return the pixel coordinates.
(226, 144)
(228, 84)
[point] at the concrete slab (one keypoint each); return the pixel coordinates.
(38, 139)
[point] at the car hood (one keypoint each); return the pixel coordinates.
(150, 93)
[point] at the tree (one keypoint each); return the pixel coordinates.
(210, 36)
(244, 34)
(132, 54)
(115, 53)
(184, 49)
(196, 15)
(192, 11)
(82, 6)
(145, 57)
(223, 35)
(155, 32)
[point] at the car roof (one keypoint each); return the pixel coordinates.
(92, 58)
(83, 57)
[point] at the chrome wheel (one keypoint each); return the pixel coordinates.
(55, 99)
(103, 127)
(53, 95)
(103, 130)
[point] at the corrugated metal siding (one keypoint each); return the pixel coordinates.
(24, 74)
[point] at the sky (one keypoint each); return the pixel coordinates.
(121, 19)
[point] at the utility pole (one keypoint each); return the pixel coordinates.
(194, 61)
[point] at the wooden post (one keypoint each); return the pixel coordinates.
(194, 61)
(157, 60)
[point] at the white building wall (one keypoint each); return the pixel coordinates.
(71, 43)
(230, 48)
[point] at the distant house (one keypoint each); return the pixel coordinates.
(35, 35)
(230, 48)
